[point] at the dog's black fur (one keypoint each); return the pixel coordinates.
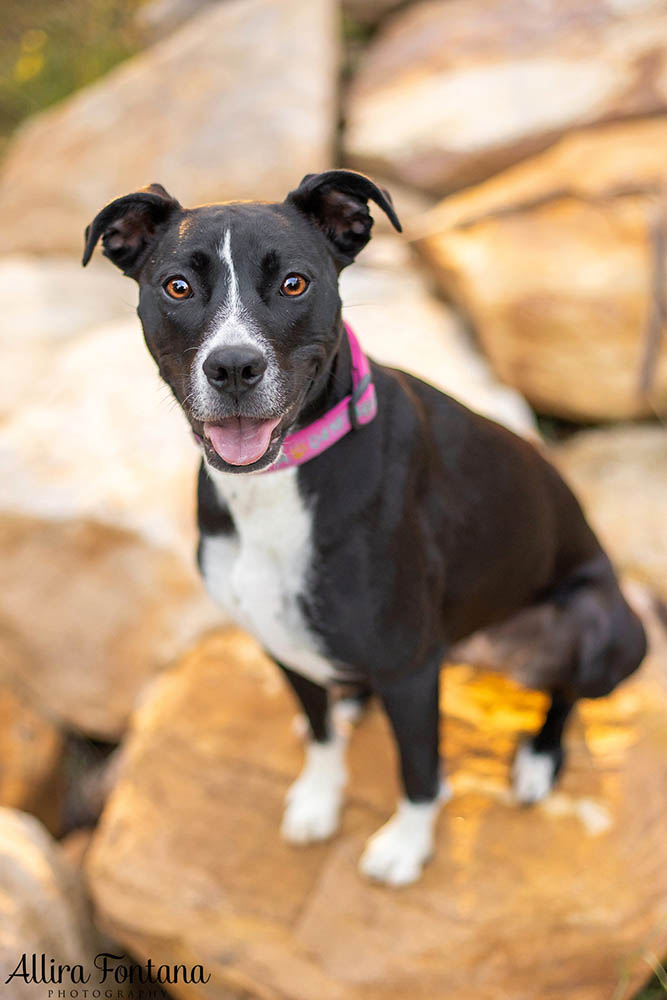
(430, 524)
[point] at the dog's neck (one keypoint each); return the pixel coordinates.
(331, 385)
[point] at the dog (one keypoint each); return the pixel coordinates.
(361, 524)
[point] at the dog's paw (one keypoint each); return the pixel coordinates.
(313, 802)
(399, 850)
(311, 812)
(534, 773)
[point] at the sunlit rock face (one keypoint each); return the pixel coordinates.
(556, 900)
(31, 745)
(554, 262)
(88, 614)
(239, 102)
(42, 907)
(450, 93)
(400, 322)
(620, 476)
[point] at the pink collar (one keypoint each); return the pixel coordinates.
(352, 412)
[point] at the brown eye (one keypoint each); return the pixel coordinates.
(293, 285)
(178, 288)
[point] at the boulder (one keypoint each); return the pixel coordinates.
(620, 476)
(558, 263)
(238, 103)
(368, 12)
(450, 93)
(97, 475)
(90, 612)
(51, 303)
(43, 910)
(31, 746)
(400, 322)
(554, 901)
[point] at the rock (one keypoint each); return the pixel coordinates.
(157, 18)
(93, 433)
(620, 476)
(43, 910)
(450, 93)
(50, 305)
(369, 12)
(31, 747)
(401, 323)
(91, 612)
(97, 479)
(554, 262)
(187, 863)
(238, 103)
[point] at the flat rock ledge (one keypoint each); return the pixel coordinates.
(560, 901)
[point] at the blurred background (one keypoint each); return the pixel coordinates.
(524, 143)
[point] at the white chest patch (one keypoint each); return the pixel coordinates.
(259, 574)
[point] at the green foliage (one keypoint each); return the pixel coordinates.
(657, 988)
(50, 48)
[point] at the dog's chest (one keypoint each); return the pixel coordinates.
(259, 573)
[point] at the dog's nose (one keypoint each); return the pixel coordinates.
(234, 369)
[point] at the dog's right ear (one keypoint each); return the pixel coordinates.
(129, 225)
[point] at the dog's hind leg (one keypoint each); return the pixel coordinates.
(605, 643)
(538, 761)
(313, 803)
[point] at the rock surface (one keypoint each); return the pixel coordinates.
(31, 747)
(450, 93)
(212, 750)
(555, 263)
(620, 476)
(42, 906)
(193, 112)
(91, 612)
(401, 323)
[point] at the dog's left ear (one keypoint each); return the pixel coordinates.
(337, 202)
(129, 225)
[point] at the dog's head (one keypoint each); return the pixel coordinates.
(239, 302)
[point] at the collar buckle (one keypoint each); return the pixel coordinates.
(356, 395)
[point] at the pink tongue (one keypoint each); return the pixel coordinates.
(241, 440)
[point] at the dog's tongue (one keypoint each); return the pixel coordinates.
(241, 440)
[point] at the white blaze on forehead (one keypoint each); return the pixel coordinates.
(233, 301)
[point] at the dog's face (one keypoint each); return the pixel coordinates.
(239, 302)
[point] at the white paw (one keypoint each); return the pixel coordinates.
(347, 712)
(399, 850)
(533, 774)
(313, 802)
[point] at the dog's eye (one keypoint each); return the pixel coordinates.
(293, 285)
(177, 288)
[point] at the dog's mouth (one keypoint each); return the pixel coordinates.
(240, 440)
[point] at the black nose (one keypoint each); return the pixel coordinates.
(234, 369)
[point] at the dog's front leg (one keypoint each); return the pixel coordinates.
(399, 849)
(312, 809)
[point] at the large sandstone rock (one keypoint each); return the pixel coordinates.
(620, 475)
(89, 613)
(97, 474)
(42, 906)
(239, 103)
(50, 303)
(533, 904)
(31, 746)
(89, 430)
(401, 323)
(557, 264)
(451, 92)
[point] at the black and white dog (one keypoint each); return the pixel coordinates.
(360, 523)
